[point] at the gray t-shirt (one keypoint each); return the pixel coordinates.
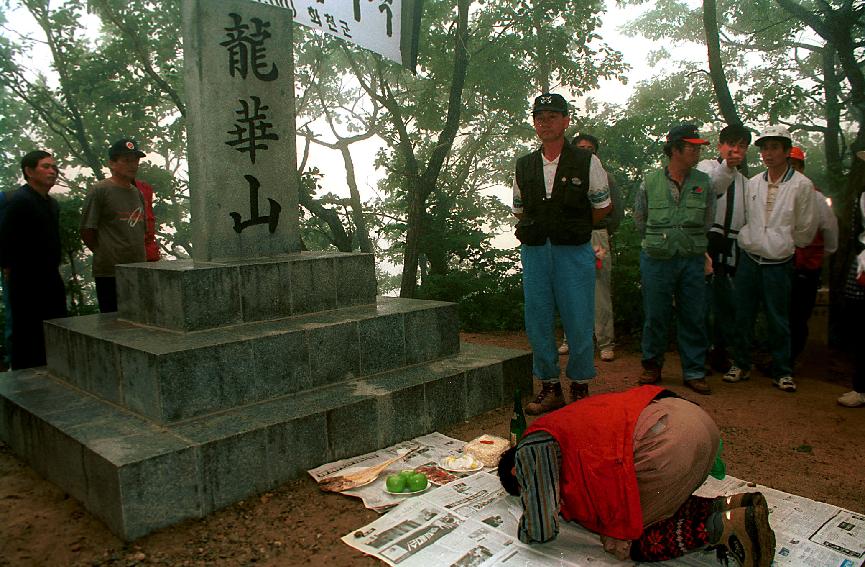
(117, 213)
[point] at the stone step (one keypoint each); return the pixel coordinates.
(138, 476)
(167, 376)
(184, 295)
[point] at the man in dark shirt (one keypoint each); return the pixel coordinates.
(30, 258)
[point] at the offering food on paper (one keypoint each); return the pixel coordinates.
(436, 474)
(406, 482)
(487, 449)
(461, 463)
(358, 478)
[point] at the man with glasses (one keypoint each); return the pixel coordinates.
(674, 210)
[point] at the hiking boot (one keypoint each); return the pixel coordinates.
(564, 348)
(785, 383)
(608, 355)
(746, 536)
(852, 399)
(699, 385)
(579, 390)
(741, 500)
(651, 373)
(549, 398)
(736, 374)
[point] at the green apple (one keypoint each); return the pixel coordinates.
(395, 483)
(417, 482)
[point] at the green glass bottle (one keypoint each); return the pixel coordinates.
(518, 421)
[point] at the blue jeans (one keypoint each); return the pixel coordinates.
(682, 278)
(563, 278)
(769, 284)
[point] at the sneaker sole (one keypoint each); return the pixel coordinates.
(734, 380)
(785, 387)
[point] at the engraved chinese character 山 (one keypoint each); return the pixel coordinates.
(250, 129)
(271, 220)
(246, 50)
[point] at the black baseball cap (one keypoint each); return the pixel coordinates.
(686, 132)
(124, 146)
(550, 101)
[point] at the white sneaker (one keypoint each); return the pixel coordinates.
(736, 374)
(564, 348)
(608, 355)
(785, 383)
(852, 399)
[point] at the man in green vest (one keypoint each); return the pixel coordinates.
(674, 210)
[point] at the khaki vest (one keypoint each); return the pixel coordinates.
(676, 228)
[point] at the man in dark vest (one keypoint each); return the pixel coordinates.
(560, 191)
(625, 465)
(674, 210)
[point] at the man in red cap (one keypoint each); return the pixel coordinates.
(674, 210)
(808, 263)
(114, 223)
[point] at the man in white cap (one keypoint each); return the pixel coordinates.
(779, 216)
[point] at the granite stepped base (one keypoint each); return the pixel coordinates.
(139, 476)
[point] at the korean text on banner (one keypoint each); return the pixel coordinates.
(387, 27)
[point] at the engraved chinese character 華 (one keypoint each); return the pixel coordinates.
(250, 128)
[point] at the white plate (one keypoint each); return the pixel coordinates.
(444, 464)
(428, 486)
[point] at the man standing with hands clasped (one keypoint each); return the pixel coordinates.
(113, 221)
(559, 192)
(780, 214)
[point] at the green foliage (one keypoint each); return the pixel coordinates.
(488, 289)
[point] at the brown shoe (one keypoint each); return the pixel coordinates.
(549, 398)
(746, 536)
(578, 391)
(651, 373)
(699, 385)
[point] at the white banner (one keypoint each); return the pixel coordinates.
(387, 27)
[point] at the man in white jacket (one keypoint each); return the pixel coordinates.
(780, 214)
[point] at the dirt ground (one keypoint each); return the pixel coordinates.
(801, 443)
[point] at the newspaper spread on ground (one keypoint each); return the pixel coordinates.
(429, 450)
(472, 522)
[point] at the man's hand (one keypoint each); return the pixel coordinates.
(90, 238)
(599, 214)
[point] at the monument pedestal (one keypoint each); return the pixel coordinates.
(149, 426)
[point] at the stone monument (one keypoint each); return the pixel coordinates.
(229, 374)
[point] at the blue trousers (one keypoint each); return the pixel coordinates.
(682, 278)
(720, 311)
(563, 278)
(769, 284)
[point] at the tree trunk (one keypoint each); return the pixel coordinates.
(716, 66)
(361, 230)
(420, 187)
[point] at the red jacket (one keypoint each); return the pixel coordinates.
(151, 248)
(598, 483)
